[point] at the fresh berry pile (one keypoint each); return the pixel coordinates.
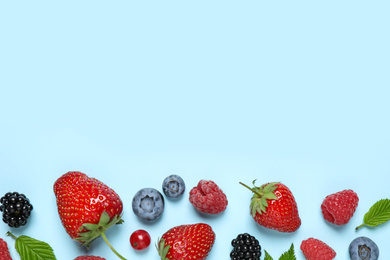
(87, 208)
(245, 246)
(16, 209)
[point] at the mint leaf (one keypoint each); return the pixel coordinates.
(289, 255)
(379, 213)
(267, 256)
(32, 249)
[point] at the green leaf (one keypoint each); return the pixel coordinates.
(270, 187)
(162, 249)
(267, 256)
(289, 255)
(32, 249)
(379, 213)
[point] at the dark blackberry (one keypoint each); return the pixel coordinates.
(16, 209)
(245, 246)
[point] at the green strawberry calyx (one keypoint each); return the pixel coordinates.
(162, 249)
(260, 196)
(89, 232)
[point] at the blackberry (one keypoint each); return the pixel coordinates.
(16, 209)
(245, 246)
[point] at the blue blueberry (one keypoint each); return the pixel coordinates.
(363, 248)
(148, 204)
(173, 186)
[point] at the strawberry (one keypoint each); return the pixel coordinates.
(273, 206)
(186, 242)
(87, 207)
(314, 249)
(4, 252)
(338, 208)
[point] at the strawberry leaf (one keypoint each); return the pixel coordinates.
(289, 255)
(33, 249)
(270, 187)
(379, 213)
(162, 249)
(260, 196)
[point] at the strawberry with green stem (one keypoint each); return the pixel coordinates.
(273, 206)
(87, 207)
(186, 242)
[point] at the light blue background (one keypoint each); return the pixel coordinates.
(131, 92)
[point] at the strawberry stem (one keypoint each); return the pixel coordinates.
(110, 246)
(256, 192)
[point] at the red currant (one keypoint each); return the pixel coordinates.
(140, 239)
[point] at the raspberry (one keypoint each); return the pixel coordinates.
(207, 197)
(4, 252)
(338, 208)
(89, 257)
(315, 249)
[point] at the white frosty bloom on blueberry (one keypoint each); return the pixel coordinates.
(173, 186)
(148, 204)
(363, 248)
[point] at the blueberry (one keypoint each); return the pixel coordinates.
(148, 204)
(363, 248)
(173, 186)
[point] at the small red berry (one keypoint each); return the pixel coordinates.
(140, 239)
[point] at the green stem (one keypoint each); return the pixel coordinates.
(246, 186)
(11, 235)
(113, 250)
(362, 225)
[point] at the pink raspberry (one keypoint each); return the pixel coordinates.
(314, 249)
(89, 257)
(207, 197)
(4, 252)
(338, 208)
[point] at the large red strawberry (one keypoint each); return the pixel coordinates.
(273, 206)
(87, 207)
(186, 242)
